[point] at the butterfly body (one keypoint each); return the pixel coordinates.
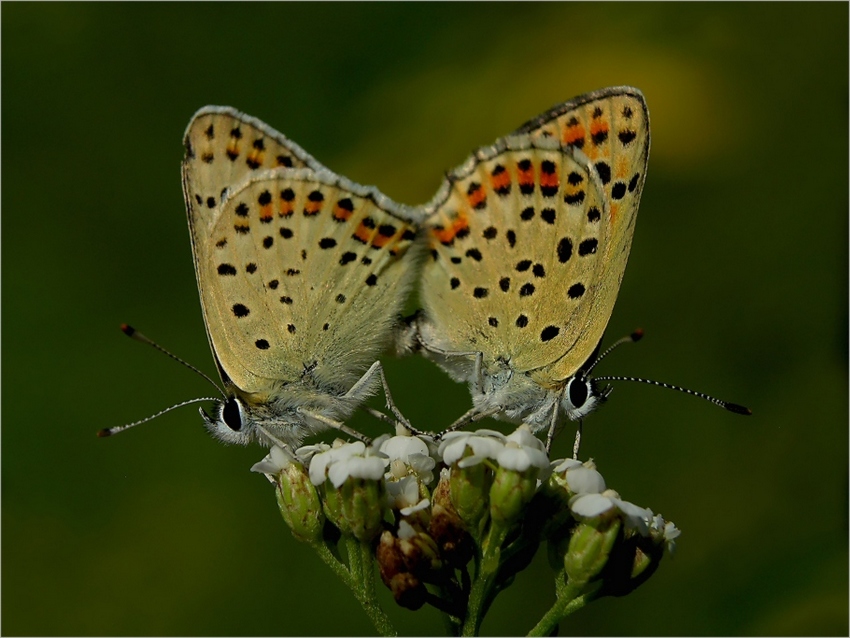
(301, 273)
(528, 242)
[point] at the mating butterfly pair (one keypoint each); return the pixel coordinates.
(302, 273)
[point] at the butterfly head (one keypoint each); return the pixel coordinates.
(582, 396)
(230, 421)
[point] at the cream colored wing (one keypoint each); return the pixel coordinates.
(611, 127)
(302, 271)
(515, 258)
(529, 238)
(224, 147)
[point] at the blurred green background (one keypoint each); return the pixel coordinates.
(738, 274)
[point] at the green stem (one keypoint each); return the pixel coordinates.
(485, 576)
(360, 579)
(331, 561)
(572, 599)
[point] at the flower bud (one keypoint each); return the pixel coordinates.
(569, 477)
(405, 561)
(352, 480)
(519, 465)
(363, 507)
(590, 547)
(299, 503)
(447, 529)
(469, 455)
(510, 492)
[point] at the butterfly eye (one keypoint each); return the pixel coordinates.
(231, 414)
(578, 391)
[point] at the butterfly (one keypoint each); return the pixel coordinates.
(529, 240)
(301, 274)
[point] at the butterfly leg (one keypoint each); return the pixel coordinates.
(552, 425)
(359, 388)
(577, 441)
(336, 425)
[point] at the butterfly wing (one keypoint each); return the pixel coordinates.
(302, 271)
(611, 127)
(529, 242)
(223, 148)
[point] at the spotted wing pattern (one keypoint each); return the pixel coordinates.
(224, 147)
(529, 238)
(302, 270)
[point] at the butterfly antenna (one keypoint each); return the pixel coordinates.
(636, 336)
(110, 431)
(131, 332)
(732, 407)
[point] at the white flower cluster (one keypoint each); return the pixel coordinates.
(593, 499)
(518, 451)
(407, 463)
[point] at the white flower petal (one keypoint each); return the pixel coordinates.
(583, 480)
(485, 447)
(469, 461)
(280, 456)
(307, 452)
(421, 463)
(635, 517)
(265, 467)
(562, 465)
(404, 492)
(402, 447)
(523, 437)
(671, 532)
(590, 505)
(405, 531)
(319, 465)
(519, 459)
(338, 473)
(482, 443)
(421, 505)
(359, 467)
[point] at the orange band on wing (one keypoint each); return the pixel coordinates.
(476, 196)
(363, 233)
(573, 134)
(598, 127)
(380, 241)
(446, 235)
(500, 182)
(341, 214)
(526, 177)
(549, 180)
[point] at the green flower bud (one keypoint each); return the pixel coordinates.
(509, 494)
(351, 477)
(590, 547)
(332, 504)
(363, 507)
(299, 503)
(470, 455)
(469, 488)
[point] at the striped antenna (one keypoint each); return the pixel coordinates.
(131, 332)
(110, 431)
(635, 337)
